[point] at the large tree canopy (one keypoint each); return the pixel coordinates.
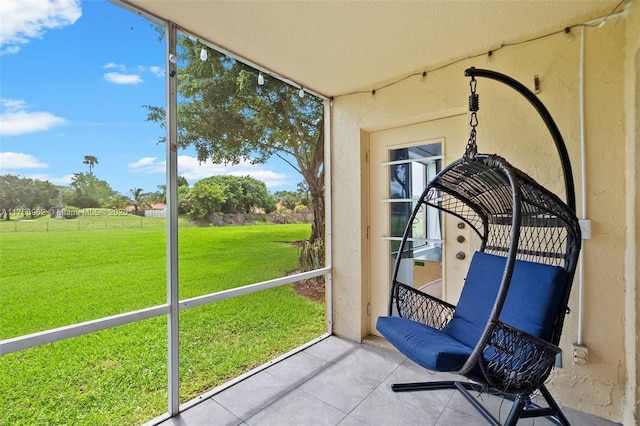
(227, 194)
(205, 198)
(243, 194)
(89, 191)
(228, 117)
(28, 194)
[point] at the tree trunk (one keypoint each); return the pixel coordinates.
(317, 208)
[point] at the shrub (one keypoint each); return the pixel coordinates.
(311, 256)
(301, 208)
(71, 212)
(282, 216)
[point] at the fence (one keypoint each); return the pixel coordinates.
(105, 221)
(155, 213)
(46, 225)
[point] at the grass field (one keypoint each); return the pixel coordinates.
(118, 376)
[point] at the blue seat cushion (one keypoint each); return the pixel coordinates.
(532, 303)
(424, 345)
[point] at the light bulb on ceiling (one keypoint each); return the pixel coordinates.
(203, 54)
(260, 79)
(301, 92)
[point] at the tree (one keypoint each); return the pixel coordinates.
(139, 199)
(243, 194)
(10, 194)
(162, 189)
(182, 181)
(228, 117)
(183, 198)
(118, 202)
(288, 199)
(155, 197)
(89, 191)
(91, 161)
(25, 193)
(205, 198)
(37, 194)
(303, 192)
(66, 196)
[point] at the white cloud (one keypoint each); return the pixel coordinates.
(158, 71)
(24, 20)
(13, 104)
(119, 78)
(148, 165)
(124, 74)
(16, 120)
(113, 65)
(9, 50)
(193, 170)
(19, 160)
(269, 177)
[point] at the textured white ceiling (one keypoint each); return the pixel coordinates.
(335, 47)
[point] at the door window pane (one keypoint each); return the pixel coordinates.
(410, 169)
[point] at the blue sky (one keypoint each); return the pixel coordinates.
(74, 77)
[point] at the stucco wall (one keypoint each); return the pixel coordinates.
(598, 387)
(632, 105)
(509, 126)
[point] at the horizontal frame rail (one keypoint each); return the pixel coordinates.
(400, 200)
(413, 160)
(417, 240)
(251, 288)
(75, 330)
(49, 336)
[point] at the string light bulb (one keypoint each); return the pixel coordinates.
(203, 54)
(173, 58)
(301, 92)
(260, 79)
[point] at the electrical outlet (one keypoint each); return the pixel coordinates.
(585, 228)
(580, 354)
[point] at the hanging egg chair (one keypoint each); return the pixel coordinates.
(502, 336)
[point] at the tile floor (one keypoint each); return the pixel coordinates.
(339, 382)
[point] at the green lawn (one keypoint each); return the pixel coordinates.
(118, 376)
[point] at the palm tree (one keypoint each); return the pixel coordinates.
(139, 199)
(91, 160)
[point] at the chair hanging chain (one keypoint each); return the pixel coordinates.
(474, 105)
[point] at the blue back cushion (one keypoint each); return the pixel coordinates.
(532, 303)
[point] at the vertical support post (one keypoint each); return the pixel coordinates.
(327, 214)
(172, 220)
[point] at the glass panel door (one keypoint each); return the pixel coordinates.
(410, 169)
(401, 160)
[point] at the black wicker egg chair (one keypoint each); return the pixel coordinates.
(503, 334)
